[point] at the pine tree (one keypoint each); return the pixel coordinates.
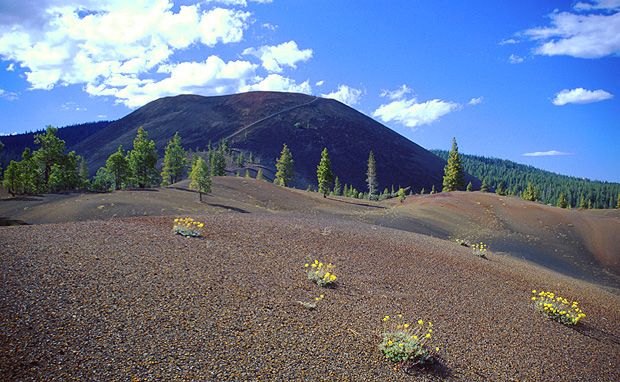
(50, 152)
(371, 176)
(324, 173)
(618, 205)
(218, 163)
(102, 180)
(83, 174)
(259, 175)
(337, 186)
(241, 160)
(433, 190)
(484, 187)
(284, 165)
(470, 187)
(142, 161)
(582, 204)
(500, 190)
(562, 203)
(454, 178)
(251, 157)
(13, 181)
(247, 174)
(118, 169)
(401, 195)
(345, 190)
(200, 177)
(529, 193)
(175, 163)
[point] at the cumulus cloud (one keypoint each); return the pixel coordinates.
(514, 59)
(396, 94)
(276, 82)
(580, 96)
(410, 112)
(285, 54)
(476, 101)
(591, 35)
(346, 95)
(117, 48)
(546, 153)
(211, 77)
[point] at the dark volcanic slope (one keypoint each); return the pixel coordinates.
(124, 299)
(261, 122)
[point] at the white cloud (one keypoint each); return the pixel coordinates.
(412, 114)
(270, 26)
(116, 48)
(476, 101)
(546, 153)
(8, 95)
(580, 96)
(576, 35)
(274, 57)
(509, 41)
(212, 77)
(11, 67)
(396, 94)
(276, 82)
(346, 95)
(72, 106)
(514, 59)
(319, 83)
(242, 3)
(598, 4)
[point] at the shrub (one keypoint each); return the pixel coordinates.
(187, 227)
(320, 273)
(479, 250)
(557, 308)
(311, 305)
(405, 343)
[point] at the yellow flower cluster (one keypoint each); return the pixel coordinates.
(187, 227)
(405, 342)
(557, 308)
(320, 273)
(479, 250)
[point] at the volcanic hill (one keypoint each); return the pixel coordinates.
(262, 122)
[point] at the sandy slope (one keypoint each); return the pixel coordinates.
(580, 244)
(125, 299)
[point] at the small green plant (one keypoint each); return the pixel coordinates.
(187, 227)
(406, 343)
(311, 305)
(557, 308)
(320, 273)
(479, 250)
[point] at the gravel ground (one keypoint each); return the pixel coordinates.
(125, 300)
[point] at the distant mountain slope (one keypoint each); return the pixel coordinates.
(261, 122)
(14, 145)
(515, 177)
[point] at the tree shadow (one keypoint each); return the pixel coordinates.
(590, 331)
(236, 209)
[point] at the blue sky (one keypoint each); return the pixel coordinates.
(536, 82)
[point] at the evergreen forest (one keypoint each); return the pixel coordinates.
(545, 186)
